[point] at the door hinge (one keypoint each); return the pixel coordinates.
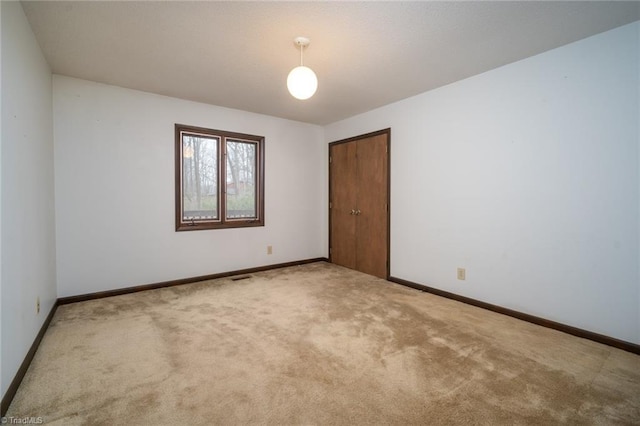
(330, 204)
(330, 250)
(330, 160)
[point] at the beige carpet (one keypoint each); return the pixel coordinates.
(316, 345)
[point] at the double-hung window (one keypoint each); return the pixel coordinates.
(219, 179)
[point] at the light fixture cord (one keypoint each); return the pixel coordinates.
(301, 49)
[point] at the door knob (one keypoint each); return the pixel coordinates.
(358, 212)
(352, 212)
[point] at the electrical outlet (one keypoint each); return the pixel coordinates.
(462, 274)
(269, 249)
(37, 305)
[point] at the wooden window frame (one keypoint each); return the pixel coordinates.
(222, 222)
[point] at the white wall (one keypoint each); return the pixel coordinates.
(114, 158)
(527, 176)
(28, 228)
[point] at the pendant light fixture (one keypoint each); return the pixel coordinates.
(302, 81)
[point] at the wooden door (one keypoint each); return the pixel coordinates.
(371, 218)
(359, 196)
(342, 208)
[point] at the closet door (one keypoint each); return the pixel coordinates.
(371, 201)
(359, 216)
(342, 204)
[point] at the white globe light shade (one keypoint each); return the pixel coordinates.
(302, 82)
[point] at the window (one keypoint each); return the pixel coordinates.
(219, 179)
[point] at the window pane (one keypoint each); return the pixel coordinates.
(199, 178)
(241, 179)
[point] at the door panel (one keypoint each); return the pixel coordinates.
(343, 193)
(371, 230)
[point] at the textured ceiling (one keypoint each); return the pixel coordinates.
(365, 54)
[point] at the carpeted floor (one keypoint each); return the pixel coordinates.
(316, 345)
